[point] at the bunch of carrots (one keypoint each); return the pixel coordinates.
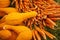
(48, 11)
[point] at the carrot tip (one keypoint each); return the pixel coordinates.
(56, 25)
(45, 39)
(54, 38)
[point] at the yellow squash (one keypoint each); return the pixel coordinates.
(5, 34)
(23, 32)
(15, 18)
(8, 10)
(4, 3)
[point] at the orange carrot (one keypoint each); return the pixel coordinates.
(50, 26)
(33, 34)
(54, 19)
(44, 23)
(21, 4)
(41, 32)
(37, 35)
(48, 20)
(51, 2)
(17, 5)
(48, 34)
(41, 25)
(54, 15)
(12, 2)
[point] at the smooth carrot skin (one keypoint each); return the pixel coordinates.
(50, 26)
(41, 32)
(49, 34)
(50, 21)
(33, 34)
(37, 35)
(54, 15)
(55, 19)
(17, 6)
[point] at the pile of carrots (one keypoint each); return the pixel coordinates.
(48, 11)
(35, 15)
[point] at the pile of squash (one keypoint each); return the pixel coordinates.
(11, 23)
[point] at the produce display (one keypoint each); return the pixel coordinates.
(28, 19)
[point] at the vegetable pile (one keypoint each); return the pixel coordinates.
(28, 19)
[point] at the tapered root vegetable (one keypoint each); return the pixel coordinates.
(50, 26)
(55, 19)
(50, 22)
(54, 15)
(41, 32)
(37, 35)
(48, 34)
(17, 18)
(5, 34)
(33, 35)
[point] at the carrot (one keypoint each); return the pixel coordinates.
(21, 4)
(17, 5)
(48, 34)
(28, 24)
(50, 26)
(44, 23)
(48, 20)
(33, 34)
(51, 2)
(13, 2)
(37, 35)
(41, 25)
(54, 19)
(41, 32)
(31, 27)
(54, 15)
